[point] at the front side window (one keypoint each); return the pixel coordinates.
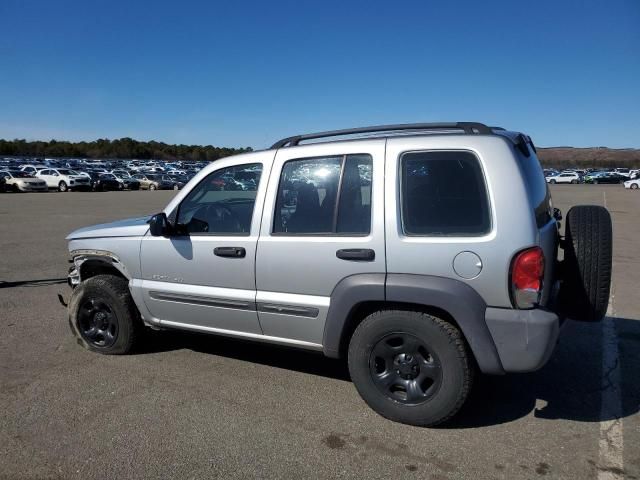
(222, 203)
(324, 196)
(443, 193)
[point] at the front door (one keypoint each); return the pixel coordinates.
(323, 221)
(204, 277)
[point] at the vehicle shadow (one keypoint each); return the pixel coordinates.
(305, 361)
(569, 387)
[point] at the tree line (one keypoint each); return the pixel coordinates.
(119, 148)
(558, 157)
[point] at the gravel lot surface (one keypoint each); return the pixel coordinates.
(194, 406)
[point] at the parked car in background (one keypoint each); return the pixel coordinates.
(565, 177)
(102, 182)
(64, 179)
(604, 177)
(127, 180)
(32, 169)
(150, 181)
(632, 184)
(19, 181)
(178, 181)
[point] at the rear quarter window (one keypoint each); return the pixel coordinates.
(443, 193)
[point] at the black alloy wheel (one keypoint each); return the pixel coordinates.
(98, 323)
(403, 368)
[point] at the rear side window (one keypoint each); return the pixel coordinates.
(324, 196)
(443, 193)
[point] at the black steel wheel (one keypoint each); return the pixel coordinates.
(98, 323)
(410, 367)
(404, 369)
(103, 316)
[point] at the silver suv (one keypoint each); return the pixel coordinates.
(421, 253)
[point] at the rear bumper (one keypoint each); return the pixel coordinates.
(524, 339)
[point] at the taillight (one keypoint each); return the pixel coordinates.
(527, 273)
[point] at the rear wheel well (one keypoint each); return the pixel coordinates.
(362, 310)
(91, 268)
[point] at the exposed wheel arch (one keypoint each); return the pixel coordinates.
(98, 266)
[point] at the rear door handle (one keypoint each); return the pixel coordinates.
(235, 252)
(358, 254)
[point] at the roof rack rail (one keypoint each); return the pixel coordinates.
(468, 128)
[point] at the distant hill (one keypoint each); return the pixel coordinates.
(565, 157)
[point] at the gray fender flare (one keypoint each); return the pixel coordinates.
(456, 298)
(348, 294)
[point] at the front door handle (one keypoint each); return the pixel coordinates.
(234, 252)
(358, 254)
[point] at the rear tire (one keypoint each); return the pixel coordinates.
(152, 187)
(575, 182)
(410, 367)
(62, 186)
(634, 186)
(103, 316)
(587, 263)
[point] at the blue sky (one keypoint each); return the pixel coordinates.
(244, 73)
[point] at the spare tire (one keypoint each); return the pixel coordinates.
(587, 263)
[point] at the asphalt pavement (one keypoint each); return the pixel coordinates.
(197, 406)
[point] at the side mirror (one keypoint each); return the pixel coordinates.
(159, 225)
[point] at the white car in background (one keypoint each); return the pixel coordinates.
(565, 177)
(32, 169)
(64, 179)
(20, 181)
(632, 184)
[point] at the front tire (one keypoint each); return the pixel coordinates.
(410, 367)
(552, 182)
(152, 187)
(103, 316)
(62, 186)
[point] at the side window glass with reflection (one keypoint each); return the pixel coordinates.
(324, 196)
(222, 203)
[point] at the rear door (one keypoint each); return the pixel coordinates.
(322, 222)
